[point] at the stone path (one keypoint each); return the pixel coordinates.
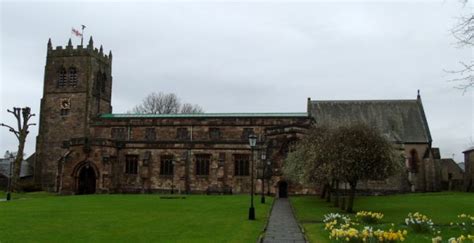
(282, 226)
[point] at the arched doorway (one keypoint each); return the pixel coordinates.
(283, 189)
(86, 180)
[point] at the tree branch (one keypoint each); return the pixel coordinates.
(11, 130)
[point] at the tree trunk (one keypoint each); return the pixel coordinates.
(350, 202)
(329, 192)
(336, 194)
(17, 164)
(323, 193)
(343, 203)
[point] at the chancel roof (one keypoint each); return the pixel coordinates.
(400, 120)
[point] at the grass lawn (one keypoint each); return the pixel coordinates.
(42, 217)
(442, 207)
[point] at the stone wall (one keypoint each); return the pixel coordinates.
(108, 155)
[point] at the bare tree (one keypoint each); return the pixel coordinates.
(188, 108)
(463, 31)
(162, 103)
(22, 115)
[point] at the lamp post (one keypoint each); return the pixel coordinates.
(268, 175)
(172, 177)
(263, 157)
(9, 189)
(252, 142)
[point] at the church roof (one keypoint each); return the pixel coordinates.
(401, 120)
(206, 115)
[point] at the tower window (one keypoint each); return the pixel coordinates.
(72, 77)
(241, 165)
(166, 165)
(131, 164)
(61, 78)
(202, 164)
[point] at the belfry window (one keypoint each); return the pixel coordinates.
(72, 77)
(61, 78)
(102, 83)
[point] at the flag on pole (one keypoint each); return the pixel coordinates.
(76, 32)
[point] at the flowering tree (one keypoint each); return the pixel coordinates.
(327, 156)
(312, 161)
(363, 154)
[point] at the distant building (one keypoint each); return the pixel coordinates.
(452, 175)
(25, 172)
(469, 169)
(82, 147)
(461, 165)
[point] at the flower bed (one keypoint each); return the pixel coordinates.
(419, 223)
(369, 217)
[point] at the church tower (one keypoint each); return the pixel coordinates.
(77, 89)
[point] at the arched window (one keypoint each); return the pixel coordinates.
(72, 77)
(413, 161)
(61, 78)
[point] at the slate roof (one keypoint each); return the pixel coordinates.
(401, 120)
(452, 163)
(462, 166)
(5, 168)
(207, 115)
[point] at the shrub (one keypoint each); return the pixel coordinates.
(419, 222)
(369, 217)
(28, 186)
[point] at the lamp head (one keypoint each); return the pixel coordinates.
(252, 140)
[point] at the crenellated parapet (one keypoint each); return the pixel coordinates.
(80, 50)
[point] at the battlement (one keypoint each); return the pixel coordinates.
(79, 50)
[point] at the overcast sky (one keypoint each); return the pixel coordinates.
(250, 56)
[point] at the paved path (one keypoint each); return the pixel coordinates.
(282, 226)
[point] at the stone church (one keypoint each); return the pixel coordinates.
(83, 147)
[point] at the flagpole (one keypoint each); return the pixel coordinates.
(82, 34)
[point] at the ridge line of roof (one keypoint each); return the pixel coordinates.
(237, 114)
(388, 100)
